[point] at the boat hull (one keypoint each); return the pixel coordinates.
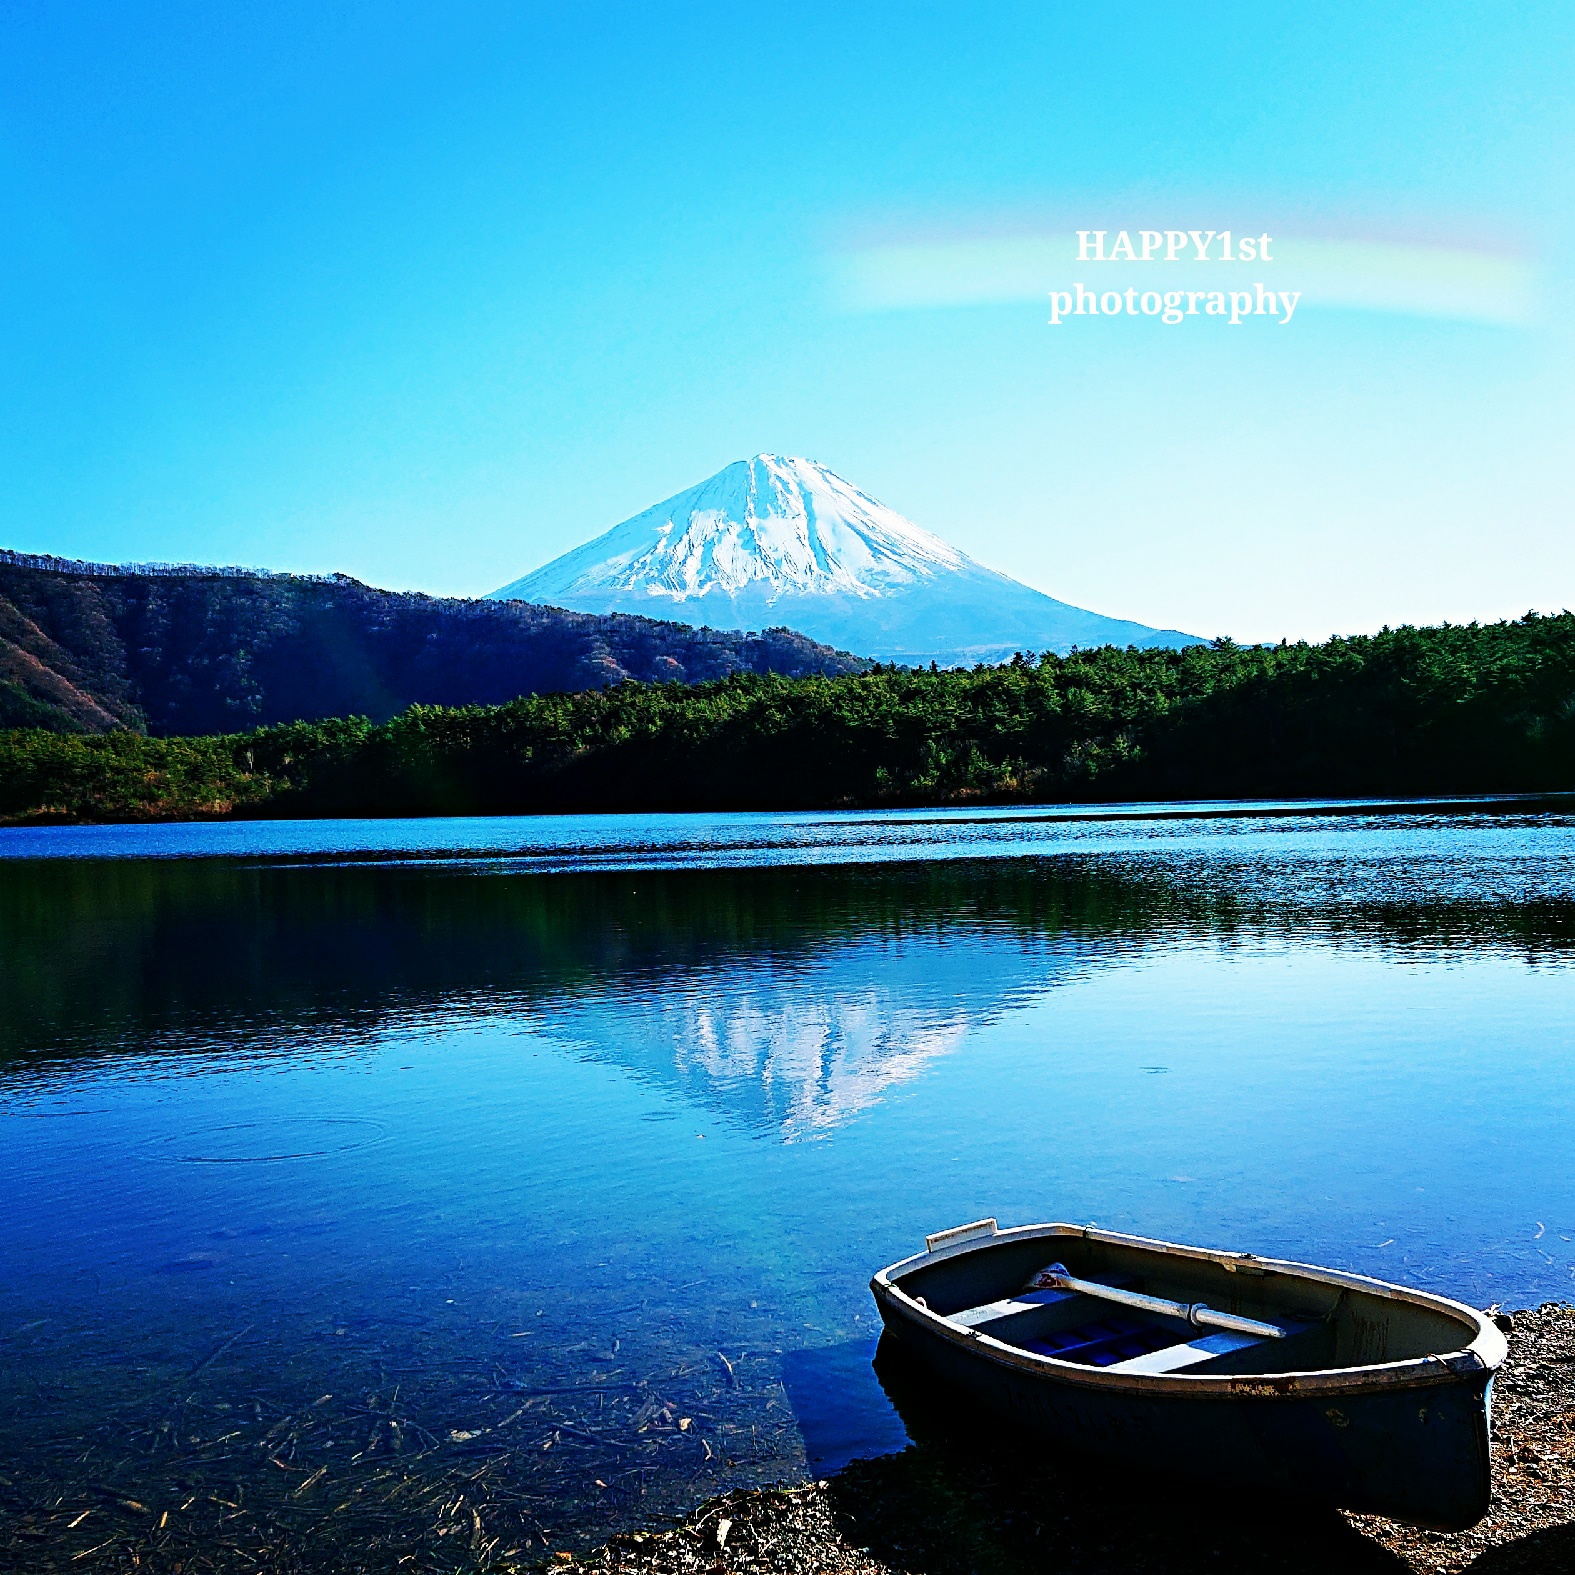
(1409, 1441)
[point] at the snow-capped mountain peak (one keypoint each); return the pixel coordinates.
(770, 523)
(773, 541)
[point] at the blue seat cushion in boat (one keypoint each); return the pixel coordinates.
(1105, 1343)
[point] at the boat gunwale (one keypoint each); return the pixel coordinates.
(1485, 1352)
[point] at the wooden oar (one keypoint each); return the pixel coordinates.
(1195, 1313)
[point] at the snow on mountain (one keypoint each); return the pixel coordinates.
(787, 524)
(771, 541)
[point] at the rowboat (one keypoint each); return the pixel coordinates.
(1306, 1382)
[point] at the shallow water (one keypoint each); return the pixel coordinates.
(526, 1142)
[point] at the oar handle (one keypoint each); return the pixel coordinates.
(1195, 1313)
(1200, 1316)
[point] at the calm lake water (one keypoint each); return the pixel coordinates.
(351, 1163)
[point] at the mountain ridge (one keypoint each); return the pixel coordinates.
(180, 649)
(782, 539)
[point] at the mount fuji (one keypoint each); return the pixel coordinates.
(770, 541)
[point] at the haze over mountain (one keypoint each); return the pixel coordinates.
(781, 541)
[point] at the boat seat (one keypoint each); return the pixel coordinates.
(1174, 1358)
(1298, 1344)
(1024, 1301)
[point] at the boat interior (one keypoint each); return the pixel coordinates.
(1306, 1323)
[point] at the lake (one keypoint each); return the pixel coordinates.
(479, 1187)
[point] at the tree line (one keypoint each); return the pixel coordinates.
(1454, 709)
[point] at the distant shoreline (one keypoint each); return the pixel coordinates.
(1065, 813)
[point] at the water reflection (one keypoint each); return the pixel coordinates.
(792, 995)
(345, 1185)
(798, 1045)
(787, 981)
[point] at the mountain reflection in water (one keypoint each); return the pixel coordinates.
(785, 996)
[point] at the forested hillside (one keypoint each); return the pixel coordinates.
(1448, 710)
(92, 648)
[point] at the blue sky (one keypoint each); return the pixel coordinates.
(431, 294)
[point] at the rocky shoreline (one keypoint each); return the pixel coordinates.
(938, 1509)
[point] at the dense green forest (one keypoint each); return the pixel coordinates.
(1457, 709)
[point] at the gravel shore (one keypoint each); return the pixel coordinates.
(936, 1509)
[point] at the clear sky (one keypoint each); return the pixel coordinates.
(431, 293)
